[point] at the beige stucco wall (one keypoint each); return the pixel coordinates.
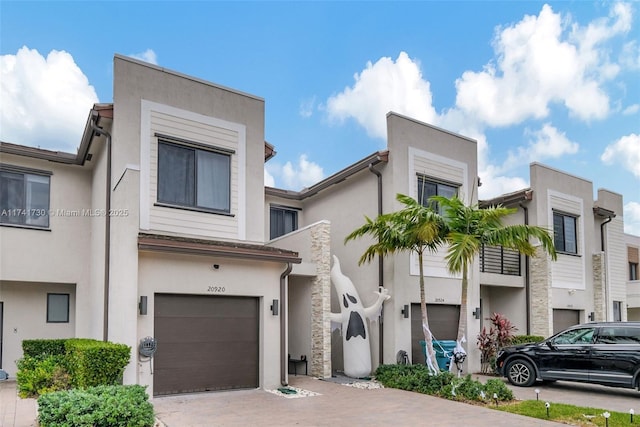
(134, 84)
(194, 275)
(34, 262)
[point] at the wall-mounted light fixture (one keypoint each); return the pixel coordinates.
(405, 311)
(592, 316)
(142, 305)
(274, 307)
(477, 313)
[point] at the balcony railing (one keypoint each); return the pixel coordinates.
(499, 260)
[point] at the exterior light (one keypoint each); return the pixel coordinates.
(547, 405)
(477, 313)
(606, 416)
(405, 311)
(142, 305)
(537, 393)
(274, 307)
(631, 415)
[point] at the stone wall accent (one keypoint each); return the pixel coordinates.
(599, 286)
(321, 301)
(541, 295)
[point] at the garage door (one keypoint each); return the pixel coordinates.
(443, 322)
(562, 319)
(205, 343)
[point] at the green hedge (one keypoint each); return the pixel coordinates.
(50, 365)
(525, 339)
(43, 348)
(91, 363)
(102, 406)
(444, 384)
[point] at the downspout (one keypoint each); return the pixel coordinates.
(606, 277)
(380, 270)
(107, 231)
(527, 278)
(283, 325)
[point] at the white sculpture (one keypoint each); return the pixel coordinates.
(352, 319)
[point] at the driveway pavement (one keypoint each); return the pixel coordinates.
(332, 404)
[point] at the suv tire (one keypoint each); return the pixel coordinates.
(521, 373)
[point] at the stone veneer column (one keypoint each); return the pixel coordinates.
(321, 301)
(599, 286)
(541, 297)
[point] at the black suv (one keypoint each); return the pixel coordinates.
(605, 353)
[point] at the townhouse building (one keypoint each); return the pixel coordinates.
(586, 283)
(160, 230)
(632, 243)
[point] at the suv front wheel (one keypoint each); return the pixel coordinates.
(521, 373)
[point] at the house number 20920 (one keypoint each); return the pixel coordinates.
(216, 289)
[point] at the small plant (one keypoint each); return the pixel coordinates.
(489, 342)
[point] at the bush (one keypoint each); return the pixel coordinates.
(38, 375)
(525, 339)
(51, 365)
(102, 406)
(489, 342)
(93, 363)
(444, 384)
(43, 348)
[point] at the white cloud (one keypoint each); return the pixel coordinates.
(306, 107)
(304, 174)
(45, 101)
(495, 184)
(631, 110)
(626, 152)
(547, 142)
(382, 87)
(147, 56)
(269, 180)
(632, 218)
(539, 62)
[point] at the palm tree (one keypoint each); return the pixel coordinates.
(469, 228)
(414, 228)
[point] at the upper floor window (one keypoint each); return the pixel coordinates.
(617, 311)
(24, 198)
(633, 271)
(428, 188)
(565, 233)
(282, 221)
(193, 177)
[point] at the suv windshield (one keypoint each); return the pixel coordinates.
(575, 336)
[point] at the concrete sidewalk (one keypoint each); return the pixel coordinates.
(13, 410)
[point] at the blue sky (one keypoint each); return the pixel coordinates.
(555, 82)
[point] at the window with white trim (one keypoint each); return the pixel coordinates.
(194, 178)
(282, 220)
(24, 198)
(428, 187)
(565, 234)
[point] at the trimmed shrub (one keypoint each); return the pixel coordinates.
(102, 406)
(93, 363)
(43, 348)
(525, 339)
(40, 375)
(444, 384)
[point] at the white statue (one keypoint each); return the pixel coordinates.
(352, 319)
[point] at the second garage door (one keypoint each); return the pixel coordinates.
(205, 343)
(443, 322)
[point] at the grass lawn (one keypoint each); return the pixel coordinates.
(569, 414)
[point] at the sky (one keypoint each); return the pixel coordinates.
(551, 82)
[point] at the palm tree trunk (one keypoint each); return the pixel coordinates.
(462, 321)
(428, 338)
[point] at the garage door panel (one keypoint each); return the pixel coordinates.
(443, 322)
(205, 343)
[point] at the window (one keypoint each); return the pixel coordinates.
(24, 198)
(194, 178)
(619, 335)
(575, 336)
(617, 311)
(57, 308)
(633, 271)
(564, 233)
(428, 188)
(282, 221)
